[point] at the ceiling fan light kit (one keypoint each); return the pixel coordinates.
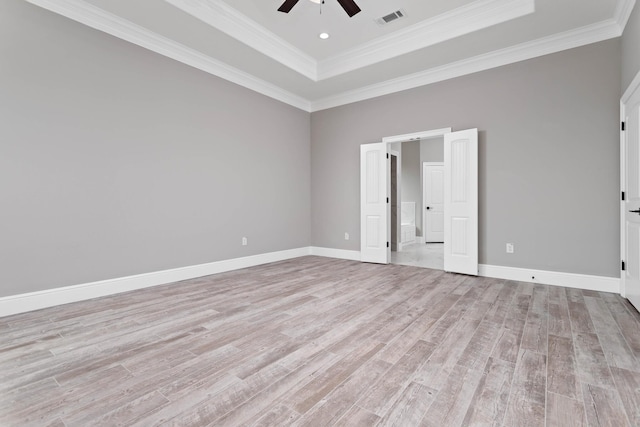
(349, 6)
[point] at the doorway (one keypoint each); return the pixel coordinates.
(460, 199)
(421, 201)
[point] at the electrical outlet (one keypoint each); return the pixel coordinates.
(346, 236)
(509, 248)
(245, 242)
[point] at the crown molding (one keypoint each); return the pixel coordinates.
(567, 40)
(94, 17)
(463, 20)
(623, 12)
(455, 23)
(101, 20)
(219, 15)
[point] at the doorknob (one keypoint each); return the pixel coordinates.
(636, 211)
(429, 207)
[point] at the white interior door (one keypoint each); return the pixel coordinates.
(631, 205)
(374, 203)
(461, 202)
(433, 200)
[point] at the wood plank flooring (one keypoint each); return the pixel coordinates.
(318, 341)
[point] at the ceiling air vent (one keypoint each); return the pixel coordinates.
(390, 17)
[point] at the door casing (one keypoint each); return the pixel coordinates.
(632, 92)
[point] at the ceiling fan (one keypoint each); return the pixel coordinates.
(349, 6)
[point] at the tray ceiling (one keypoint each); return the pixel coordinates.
(280, 55)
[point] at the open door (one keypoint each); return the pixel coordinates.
(374, 242)
(630, 205)
(461, 202)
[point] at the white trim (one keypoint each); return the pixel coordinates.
(335, 253)
(567, 40)
(36, 300)
(109, 23)
(455, 23)
(623, 172)
(416, 135)
(398, 156)
(554, 278)
(233, 23)
(472, 17)
(94, 17)
(623, 12)
(22, 303)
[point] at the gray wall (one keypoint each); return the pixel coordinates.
(117, 161)
(631, 48)
(432, 150)
(548, 171)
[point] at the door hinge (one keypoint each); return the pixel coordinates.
(622, 127)
(388, 153)
(623, 266)
(623, 196)
(387, 244)
(387, 200)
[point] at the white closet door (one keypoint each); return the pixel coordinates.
(433, 197)
(373, 203)
(461, 202)
(631, 203)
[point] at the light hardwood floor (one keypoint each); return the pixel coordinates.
(317, 341)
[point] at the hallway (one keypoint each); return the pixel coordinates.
(430, 255)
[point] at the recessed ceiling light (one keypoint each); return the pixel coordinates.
(323, 36)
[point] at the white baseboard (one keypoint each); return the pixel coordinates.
(554, 278)
(36, 300)
(15, 304)
(336, 253)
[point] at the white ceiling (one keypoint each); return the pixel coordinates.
(280, 55)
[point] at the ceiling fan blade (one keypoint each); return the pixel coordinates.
(287, 5)
(349, 6)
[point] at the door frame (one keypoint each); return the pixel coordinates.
(374, 189)
(398, 155)
(415, 136)
(424, 202)
(633, 87)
